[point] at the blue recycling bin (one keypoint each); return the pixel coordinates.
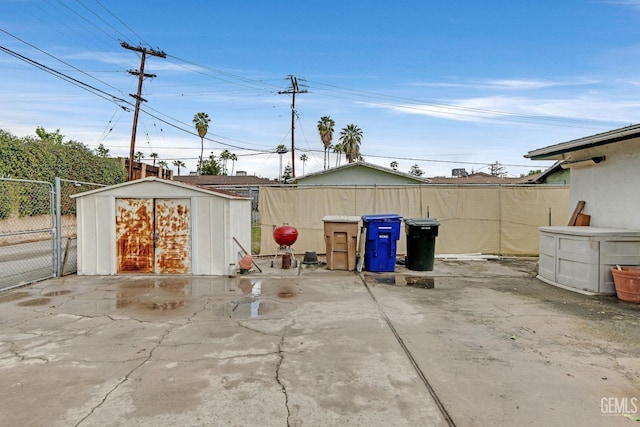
(383, 232)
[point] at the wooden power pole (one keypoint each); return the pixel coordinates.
(293, 89)
(138, 97)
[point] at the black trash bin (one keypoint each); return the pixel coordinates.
(421, 243)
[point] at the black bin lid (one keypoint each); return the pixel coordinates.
(422, 222)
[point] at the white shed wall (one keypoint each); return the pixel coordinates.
(216, 222)
(610, 189)
(96, 235)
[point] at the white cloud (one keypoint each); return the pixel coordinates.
(579, 109)
(510, 84)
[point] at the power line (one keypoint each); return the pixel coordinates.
(119, 20)
(57, 59)
(112, 98)
(76, 82)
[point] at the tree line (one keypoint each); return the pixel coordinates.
(43, 158)
(48, 155)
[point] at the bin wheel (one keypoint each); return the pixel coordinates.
(295, 263)
(271, 263)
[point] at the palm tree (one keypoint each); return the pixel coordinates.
(351, 138)
(138, 156)
(304, 159)
(394, 165)
(163, 164)
(154, 156)
(338, 149)
(233, 159)
(225, 156)
(325, 127)
(201, 121)
(179, 164)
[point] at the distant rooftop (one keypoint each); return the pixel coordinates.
(207, 180)
(478, 178)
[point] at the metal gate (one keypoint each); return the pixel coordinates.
(27, 232)
(37, 229)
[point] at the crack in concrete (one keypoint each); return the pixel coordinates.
(21, 357)
(278, 379)
(126, 377)
(172, 325)
(253, 330)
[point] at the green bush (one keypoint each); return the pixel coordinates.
(45, 158)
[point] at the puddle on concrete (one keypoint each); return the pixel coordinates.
(385, 280)
(160, 294)
(286, 292)
(14, 296)
(233, 297)
(248, 308)
(34, 302)
(56, 293)
(421, 282)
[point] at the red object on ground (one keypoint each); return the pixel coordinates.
(245, 262)
(285, 235)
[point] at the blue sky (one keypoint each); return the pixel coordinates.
(440, 84)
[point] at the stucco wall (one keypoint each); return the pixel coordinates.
(610, 189)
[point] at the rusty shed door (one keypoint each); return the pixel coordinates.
(173, 236)
(153, 236)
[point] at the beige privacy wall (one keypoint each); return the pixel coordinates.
(501, 220)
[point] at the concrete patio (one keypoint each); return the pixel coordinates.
(472, 343)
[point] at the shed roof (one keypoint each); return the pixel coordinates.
(557, 151)
(218, 193)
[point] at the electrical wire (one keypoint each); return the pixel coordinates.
(91, 89)
(57, 59)
(322, 89)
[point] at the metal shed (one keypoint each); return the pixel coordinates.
(156, 226)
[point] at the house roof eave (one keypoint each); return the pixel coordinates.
(558, 151)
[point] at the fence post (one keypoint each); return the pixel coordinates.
(58, 227)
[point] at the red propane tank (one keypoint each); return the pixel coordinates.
(285, 235)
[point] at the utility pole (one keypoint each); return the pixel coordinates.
(293, 89)
(138, 97)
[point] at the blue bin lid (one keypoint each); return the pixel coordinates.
(381, 218)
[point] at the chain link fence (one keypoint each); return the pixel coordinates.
(27, 232)
(37, 229)
(66, 244)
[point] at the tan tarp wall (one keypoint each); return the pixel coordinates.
(501, 220)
